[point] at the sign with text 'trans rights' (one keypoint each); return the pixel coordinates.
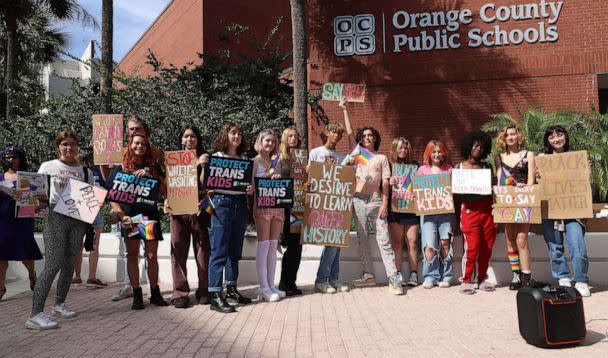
(107, 138)
(182, 182)
(228, 173)
(520, 205)
(472, 181)
(273, 193)
(328, 209)
(564, 179)
(126, 188)
(81, 201)
(299, 160)
(402, 191)
(433, 194)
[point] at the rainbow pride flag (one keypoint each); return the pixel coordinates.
(146, 230)
(361, 155)
(207, 206)
(407, 183)
(505, 179)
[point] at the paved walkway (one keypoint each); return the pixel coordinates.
(364, 322)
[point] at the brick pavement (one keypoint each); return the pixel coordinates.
(364, 322)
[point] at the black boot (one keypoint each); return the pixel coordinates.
(515, 281)
(218, 303)
(156, 298)
(138, 299)
(526, 279)
(233, 295)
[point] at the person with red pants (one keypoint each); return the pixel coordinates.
(476, 222)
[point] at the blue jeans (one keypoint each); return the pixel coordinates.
(575, 235)
(435, 228)
(329, 266)
(226, 236)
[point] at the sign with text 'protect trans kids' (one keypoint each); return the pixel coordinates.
(273, 193)
(433, 194)
(402, 191)
(128, 189)
(328, 210)
(228, 174)
(182, 182)
(514, 204)
(81, 201)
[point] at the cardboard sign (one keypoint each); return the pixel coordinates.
(333, 91)
(472, 181)
(31, 188)
(182, 182)
(81, 201)
(564, 179)
(273, 193)
(107, 138)
(126, 188)
(299, 160)
(328, 211)
(517, 205)
(433, 194)
(295, 222)
(228, 174)
(402, 191)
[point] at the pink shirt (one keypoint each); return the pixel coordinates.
(426, 169)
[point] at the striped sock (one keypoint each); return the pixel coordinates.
(514, 260)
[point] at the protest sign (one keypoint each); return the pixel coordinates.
(295, 222)
(182, 182)
(81, 201)
(107, 138)
(472, 181)
(564, 179)
(402, 190)
(273, 193)
(228, 174)
(299, 160)
(515, 204)
(333, 91)
(6, 186)
(126, 188)
(31, 188)
(328, 208)
(433, 194)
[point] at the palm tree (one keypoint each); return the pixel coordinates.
(16, 12)
(107, 29)
(300, 90)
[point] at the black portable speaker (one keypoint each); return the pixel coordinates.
(551, 317)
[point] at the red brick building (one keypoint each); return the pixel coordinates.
(433, 68)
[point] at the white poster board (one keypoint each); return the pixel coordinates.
(81, 201)
(472, 181)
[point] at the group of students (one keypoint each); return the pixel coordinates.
(217, 238)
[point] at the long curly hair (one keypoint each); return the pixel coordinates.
(502, 135)
(130, 162)
(221, 141)
(397, 143)
(473, 137)
(375, 133)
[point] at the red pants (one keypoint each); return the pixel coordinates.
(479, 231)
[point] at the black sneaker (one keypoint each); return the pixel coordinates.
(204, 300)
(181, 302)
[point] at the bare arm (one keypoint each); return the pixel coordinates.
(531, 168)
(349, 128)
(497, 161)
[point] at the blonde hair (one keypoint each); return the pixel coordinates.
(397, 143)
(334, 127)
(284, 148)
(502, 135)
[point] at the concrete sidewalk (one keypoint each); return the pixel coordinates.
(364, 322)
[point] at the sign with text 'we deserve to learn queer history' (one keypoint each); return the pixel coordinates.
(433, 194)
(564, 180)
(328, 211)
(520, 205)
(402, 192)
(228, 173)
(126, 188)
(107, 138)
(273, 193)
(81, 201)
(182, 182)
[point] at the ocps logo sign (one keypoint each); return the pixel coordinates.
(354, 35)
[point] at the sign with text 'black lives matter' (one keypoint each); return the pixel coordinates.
(328, 209)
(128, 189)
(228, 173)
(273, 193)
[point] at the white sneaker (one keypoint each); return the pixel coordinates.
(583, 289)
(325, 287)
(339, 286)
(566, 282)
(41, 321)
(428, 284)
(266, 294)
(281, 294)
(62, 310)
(444, 284)
(123, 293)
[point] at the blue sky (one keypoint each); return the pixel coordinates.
(131, 19)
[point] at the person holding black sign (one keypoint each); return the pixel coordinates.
(556, 140)
(62, 235)
(268, 221)
(515, 166)
(228, 225)
(190, 225)
(290, 139)
(139, 161)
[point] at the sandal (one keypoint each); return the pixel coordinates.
(466, 289)
(486, 286)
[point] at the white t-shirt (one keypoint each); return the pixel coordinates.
(323, 155)
(60, 175)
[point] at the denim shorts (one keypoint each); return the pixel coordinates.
(98, 222)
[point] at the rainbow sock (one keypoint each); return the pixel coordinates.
(514, 260)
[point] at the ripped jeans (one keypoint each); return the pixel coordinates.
(436, 228)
